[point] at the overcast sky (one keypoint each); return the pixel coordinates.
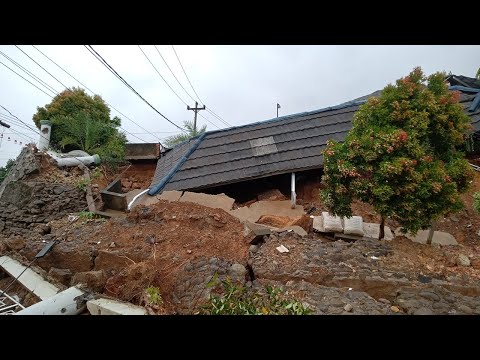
(242, 84)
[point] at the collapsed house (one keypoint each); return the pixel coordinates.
(281, 147)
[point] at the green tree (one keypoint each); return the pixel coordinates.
(80, 121)
(478, 74)
(5, 169)
(191, 132)
(402, 154)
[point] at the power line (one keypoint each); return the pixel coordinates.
(178, 96)
(191, 97)
(16, 124)
(26, 80)
(56, 94)
(210, 111)
(41, 67)
(173, 73)
(113, 71)
(86, 87)
(165, 81)
(29, 73)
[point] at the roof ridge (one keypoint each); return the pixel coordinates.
(161, 184)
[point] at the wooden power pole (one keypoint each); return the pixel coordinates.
(196, 109)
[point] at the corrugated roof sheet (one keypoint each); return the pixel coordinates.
(226, 156)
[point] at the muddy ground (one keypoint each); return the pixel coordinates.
(179, 246)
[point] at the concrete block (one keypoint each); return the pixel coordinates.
(172, 195)
(113, 307)
(372, 231)
(260, 208)
(439, 237)
(221, 201)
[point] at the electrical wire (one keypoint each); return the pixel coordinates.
(86, 87)
(211, 111)
(30, 73)
(41, 67)
(113, 71)
(191, 97)
(57, 94)
(178, 96)
(50, 96)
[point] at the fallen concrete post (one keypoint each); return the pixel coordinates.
(63, 303)
(113, 307)
(29, 279)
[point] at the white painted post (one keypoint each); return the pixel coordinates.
(294, 195)
(45, 130)
(61, 304)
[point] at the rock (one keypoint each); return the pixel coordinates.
(95, 280)
(271, 195)
(39, 203)
(59, 189)
(189, 251)
(3, 247)
(463, 260)
(136, 185)
(112, 244)
(429, 295)
(475, 263)
(348, 307)
(238, 270)
(253, 248)
(61, 275)
(465, 309)
(451, 260)
(15, 243)
(423, 311)
(394, 309)
(454, 219)
(44, 229)
(385, 301)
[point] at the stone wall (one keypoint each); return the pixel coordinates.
(25, 164)
(25, 205)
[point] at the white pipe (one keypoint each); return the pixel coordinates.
(45, 130)
(135, 198)
(74, 161)
(61, 304)
(294, 195)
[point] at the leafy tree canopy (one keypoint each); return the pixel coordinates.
(80, 121)
(402, 154)
(191, 132)
(5, 169)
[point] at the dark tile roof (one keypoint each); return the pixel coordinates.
(276, 146)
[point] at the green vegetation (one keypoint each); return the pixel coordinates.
(82, 122)
(85, 215)
(153, 296)
(5, 169)
(82, 184)
(237, 300)
(402, 154)
(191, 132)
(476, 202)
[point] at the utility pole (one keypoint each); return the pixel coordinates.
(196, 109)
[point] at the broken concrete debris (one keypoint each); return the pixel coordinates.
(282, 249)
(187, 238)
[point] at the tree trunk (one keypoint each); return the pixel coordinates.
(430, 233)
(382, 229)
